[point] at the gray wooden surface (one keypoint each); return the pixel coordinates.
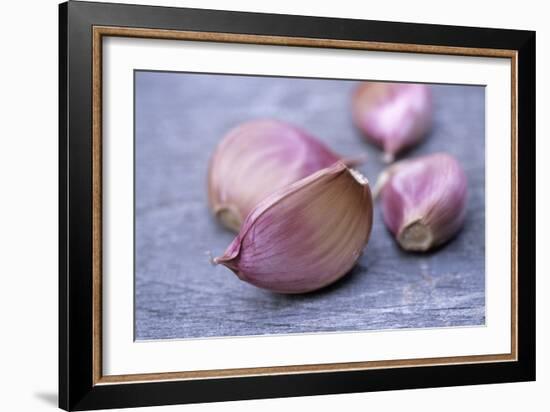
(178, 294)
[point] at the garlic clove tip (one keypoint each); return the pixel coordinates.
(380, 183)
(388, 157)
(355, 161)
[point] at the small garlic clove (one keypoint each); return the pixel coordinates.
(423, 200)
(257, 158)
(306, 235)
(393, 116)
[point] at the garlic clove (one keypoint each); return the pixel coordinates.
(257, 158)
(423, 200)
(306, 235)
(393, 116)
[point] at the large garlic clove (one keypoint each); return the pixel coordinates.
(306, 235)
(423, 200)
(393, 116)
(257, 158)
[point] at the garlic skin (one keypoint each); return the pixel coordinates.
(306, 235)
(423, 200)
(393, 116)
(257, 158)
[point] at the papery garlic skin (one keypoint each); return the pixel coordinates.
(424, 200)
(305, 236)
(257, 158)
(393, 116)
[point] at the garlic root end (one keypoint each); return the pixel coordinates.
(416, 237)
(229, 217)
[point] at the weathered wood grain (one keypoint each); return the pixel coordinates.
(180, 119)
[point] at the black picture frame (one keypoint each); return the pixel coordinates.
(77, 389)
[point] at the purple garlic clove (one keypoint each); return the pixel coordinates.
(257, 158)
(306, 235)
(393, 116)
(423, 200)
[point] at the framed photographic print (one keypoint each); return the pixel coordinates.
(256, 205)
